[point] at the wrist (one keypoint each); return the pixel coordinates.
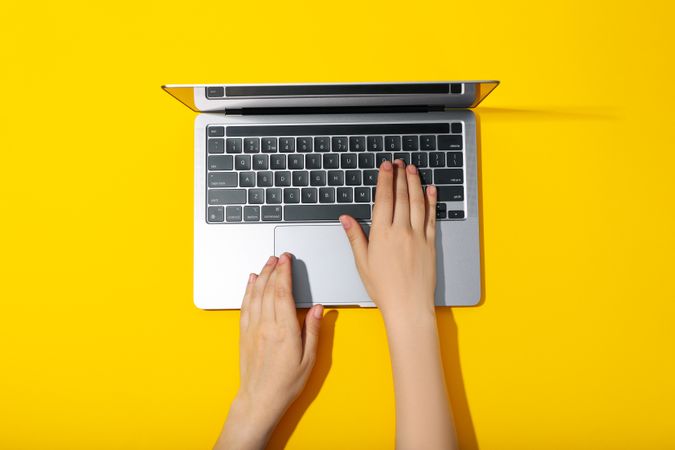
(412, 311)
(249, 424)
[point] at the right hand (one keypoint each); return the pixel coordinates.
(397, 263)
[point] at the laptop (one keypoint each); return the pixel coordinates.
(275, 165)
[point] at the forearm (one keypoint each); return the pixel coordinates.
(245, 429)
(423, 416)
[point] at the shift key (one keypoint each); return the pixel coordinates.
(227, 196)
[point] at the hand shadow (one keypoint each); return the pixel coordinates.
(324, 359)
(447, 331)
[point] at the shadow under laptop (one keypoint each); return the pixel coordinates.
(324, 360)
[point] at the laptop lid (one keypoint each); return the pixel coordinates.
(241, 97)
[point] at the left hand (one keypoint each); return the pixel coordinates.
(276, 356)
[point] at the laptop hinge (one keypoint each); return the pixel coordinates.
(335, 110)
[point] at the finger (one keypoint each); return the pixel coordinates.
(431, 195)
(357, 240)
(284, 303)
(267, 309)
(401, 202)
(383, 211)
(246, 301)
(310, 335)
(255, 308)
(417, 202)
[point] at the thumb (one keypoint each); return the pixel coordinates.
(310, 334)
(357, 240)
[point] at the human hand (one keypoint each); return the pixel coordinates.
(397, 263)
(276, 357)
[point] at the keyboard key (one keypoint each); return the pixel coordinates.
(353, 177)
(265, 179)
(216, 213)
(428, 142)
(282, 178)
(419, 159)
(441, 211)
(322, 144)
(426, 176)
(310, 195)
(271, 213)
(362, 194)
(251, 213)
(256, 196)
(344, 195)
(246, 179)
(326, 195)
(215, 145)
(287, 145)
(222, 179)
(215, 131)
(295, 213)
(357, 143)
(242, 162)
(269, 145)
(300, 178)
(215, 92)
(448, 176)
(291, 195)
(273, 195)
(403, 156)
(251, 145)
(233, 145)
(226, 196)
(450, 193)
(455, 214)
(296, 161)
(392, 143)
(382, 157)
(340, 144)
(336, 178)
(454, 159)
(304, 144)
(437, 159)
(331, 161)
(277, 162)
(313, 161)
(233, 213)
(456, 127)
(370, 177)
(317, 177)
(449, 142)
(220, 162)
(260, 162)
(348, 161)
(410, 143)
(375, 143)
(366, 161)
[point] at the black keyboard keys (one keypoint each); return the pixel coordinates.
(233, 145)
(293, 213)
(242, 162)
(357, 143)
(269, 145)
(375, 143)
(366, 161)
(251, 213)
(282, 178)
(348, 161)
(392, 143)
(215, 145)
(247, 179)
(226, 196)
(296, 161)
(317, 178)
(428, 142)
(300, 178)
(287, 145)
(362, 194)
(220, 162)
(410, 143)
(277, 162)
(304, 144)
(260, 162)
(448, 176)
(419, 159)
(233, 213)
(309, 195)
(273, 195)
(251, 145)
(450, 193)
(370, 177)
(321, 144)
(340, 144)
(345, 195)
(216, 213)
(326, 195)
(436, 159)
(215, 131)
(353, 177)
(331, 161)
(313, 161)
(454, 159)
(291, 195)
(271, 213)
(222, 179)
(256, 196)
(450, 142)
(265, 179)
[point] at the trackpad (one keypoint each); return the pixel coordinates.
(323, 268)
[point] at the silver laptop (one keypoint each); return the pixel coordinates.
(276, 165)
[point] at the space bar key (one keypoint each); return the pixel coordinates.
(296, 213)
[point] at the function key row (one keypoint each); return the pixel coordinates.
(335, 143)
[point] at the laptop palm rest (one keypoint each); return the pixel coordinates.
(323, 266)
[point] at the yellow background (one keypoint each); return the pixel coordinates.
(573, 346)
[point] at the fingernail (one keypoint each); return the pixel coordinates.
(252, 277)
(412, 169)
(318, 311)
(399, 162)
(346, 223)
(431, 189)
(271, 260)
(386, 165)
(283, 258)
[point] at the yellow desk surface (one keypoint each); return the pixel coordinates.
(101, 346)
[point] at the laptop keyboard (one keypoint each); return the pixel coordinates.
(315, 173)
